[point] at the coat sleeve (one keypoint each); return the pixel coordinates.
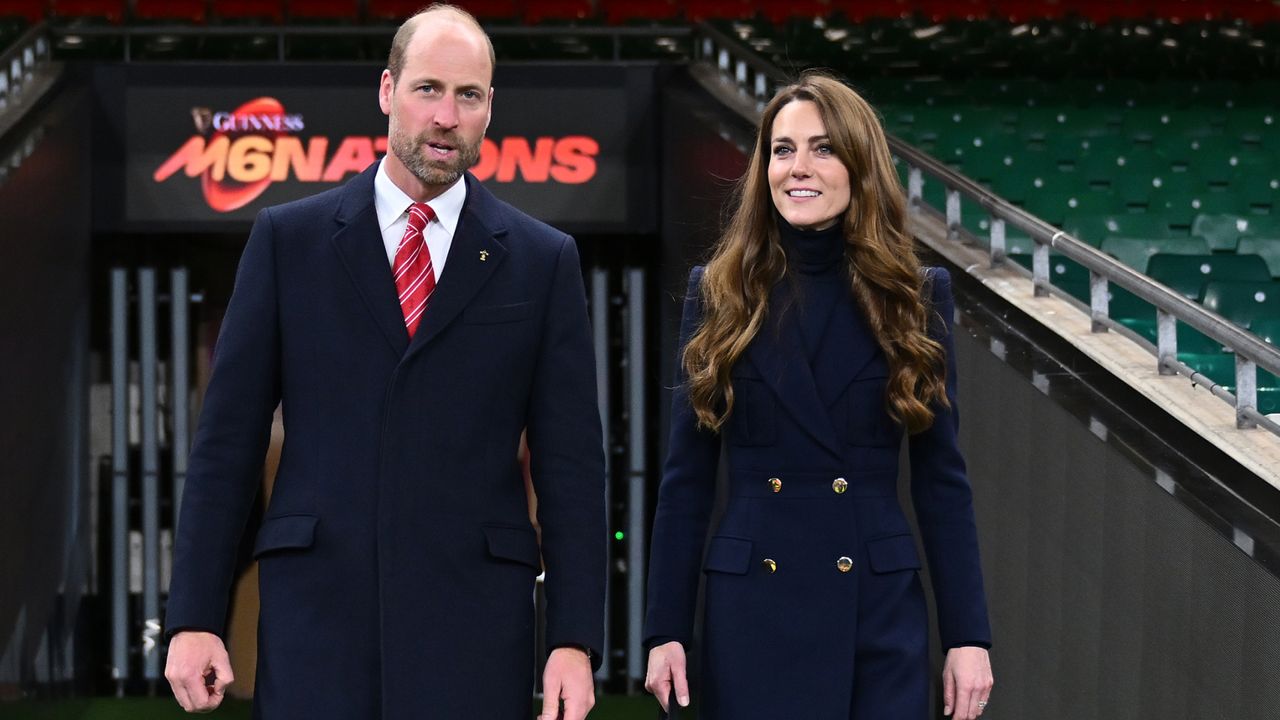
(566, 453)
(943, 498)
(230, 444)
(685, 499)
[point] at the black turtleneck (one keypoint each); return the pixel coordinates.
(816, 258)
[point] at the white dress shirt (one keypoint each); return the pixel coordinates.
(392, 205)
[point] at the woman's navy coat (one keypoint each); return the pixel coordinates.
(813, 603)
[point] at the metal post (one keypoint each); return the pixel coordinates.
(1099, 301)
(998, 251)
(953, 214)
(1166, 342)
(636, 476)
(915, 186)
(147, 361)
(119, 478)
(1246, 391)
(1040, 269)
(600, 331)
(179, 309)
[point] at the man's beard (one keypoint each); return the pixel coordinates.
(411, 151)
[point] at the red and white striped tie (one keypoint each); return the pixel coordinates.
(415, 277)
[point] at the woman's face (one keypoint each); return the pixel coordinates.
(809, 184)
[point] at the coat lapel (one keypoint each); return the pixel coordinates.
(848, 350)
(778, 354)
(474, 255)
(358, 242)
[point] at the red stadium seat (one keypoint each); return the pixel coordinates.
(537, 12)
(491, 10)
(699, 10)
(780, 11)
(241, 11)
(618, 12)
(111, 11)
(33, 11)
(324, 10)
(394, 10)
(1020, 11)
(188, 11)
(943, 10)
(863, 10)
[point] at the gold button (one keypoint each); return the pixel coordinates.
(839, 485)
(844, 564)
(770, 565)
(776, 484)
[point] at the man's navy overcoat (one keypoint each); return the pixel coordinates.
(397, 559)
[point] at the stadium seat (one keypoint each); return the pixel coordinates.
(1266, 248)
(559, 12)
(248, 12)
(324, 11)
(88, 11)
(1243, 303)
(182, 11)
(29, 11)
(639, 12)
(1188, 274)
(1221, 232)
(502, 12)
(1137, 252)
(700, 10)
(392, 11)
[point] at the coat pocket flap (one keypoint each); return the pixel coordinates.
(288, 532)
(893, 553)
(513, 543)
(728, 555)
(496, 313)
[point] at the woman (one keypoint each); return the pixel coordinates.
(811, 343)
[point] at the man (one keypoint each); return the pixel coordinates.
(412, 326)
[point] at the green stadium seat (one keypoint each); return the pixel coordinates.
(1221, 232)
(1144, 225)
(1137, 252)
(1266, 248)
(1252, 125)
(1188, 274)
(1243, 303)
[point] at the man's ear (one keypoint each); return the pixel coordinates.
(489, 116)
(386, 87)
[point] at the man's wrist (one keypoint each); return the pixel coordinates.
(574, 646)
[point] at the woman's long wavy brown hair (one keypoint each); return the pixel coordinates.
(884, 272)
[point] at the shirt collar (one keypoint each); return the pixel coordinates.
(392, 203)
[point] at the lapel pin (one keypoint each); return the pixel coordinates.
(484, 255)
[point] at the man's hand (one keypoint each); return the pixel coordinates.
(568, 678)
(198, 670)
(966, 682)
(667, 669)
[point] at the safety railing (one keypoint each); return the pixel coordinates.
(20, 61)
(758, 79)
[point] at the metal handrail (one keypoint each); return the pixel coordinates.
(759, 79)
(19, 62)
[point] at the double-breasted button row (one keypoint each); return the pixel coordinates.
(838, 486)
(844, 564)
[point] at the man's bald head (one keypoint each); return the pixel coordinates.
(436, 11)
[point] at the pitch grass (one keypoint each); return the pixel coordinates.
(607, 708)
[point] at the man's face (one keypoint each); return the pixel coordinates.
(440, 107)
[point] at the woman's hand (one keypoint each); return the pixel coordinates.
(667, 670)
(966, 682)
